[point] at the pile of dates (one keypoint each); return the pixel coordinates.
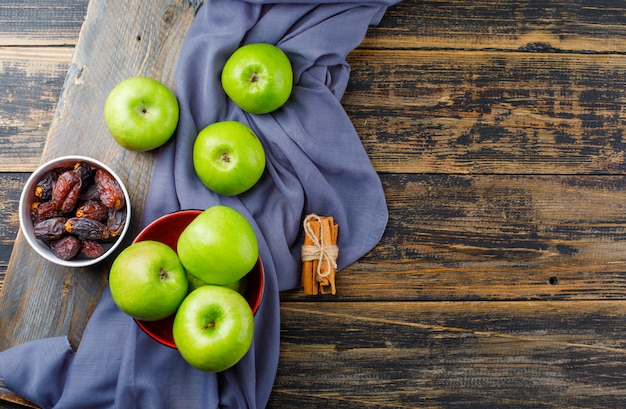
(78, 210)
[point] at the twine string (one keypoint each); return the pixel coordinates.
(320, 251)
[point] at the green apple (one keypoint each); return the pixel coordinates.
(213, 328)
(258, 78)
(141, 113)
(228, 157)
(148, 281)
(219, 246)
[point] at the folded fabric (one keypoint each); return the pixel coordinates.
(315, 164)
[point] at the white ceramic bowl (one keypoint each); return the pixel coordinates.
(28, 198)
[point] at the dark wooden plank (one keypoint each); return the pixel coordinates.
(489, 112)
(31, 80)
(10, 189)
(451, 355)
(41, 22)
(479, 237)
(36, 44)
(140, 39)
(535, 26)
(8, 400)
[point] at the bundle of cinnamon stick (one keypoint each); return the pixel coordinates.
(319, 255)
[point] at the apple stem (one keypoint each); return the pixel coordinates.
(255, 77)
(209, 325)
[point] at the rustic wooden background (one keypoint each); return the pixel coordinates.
(497, 130)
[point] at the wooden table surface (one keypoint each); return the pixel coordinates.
(497, 130)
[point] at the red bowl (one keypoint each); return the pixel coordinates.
(167, 229)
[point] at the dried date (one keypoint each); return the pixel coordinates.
(66, 191)
(93, 209)
(87, 228)
(78, 210)
(111, 193)
(66, 248)
(89, 193)
(50, 229)
(43, 210)
(116, 221)
(86, 173)
(91, 248)
(43, 188)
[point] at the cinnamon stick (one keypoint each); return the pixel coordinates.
(319, 255)
(309, 264)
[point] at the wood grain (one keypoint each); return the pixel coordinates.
(41, 22)
(538, 26)
(36, 45)
(489, 112)
(465, 355)
(31, 80)
(9, 224)
(460, 237)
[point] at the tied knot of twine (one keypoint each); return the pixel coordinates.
(322, 252)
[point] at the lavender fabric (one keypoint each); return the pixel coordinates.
(316, 164)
